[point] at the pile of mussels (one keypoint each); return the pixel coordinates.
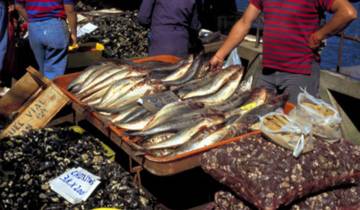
(29, 162)
(121, 34)
(89, 5)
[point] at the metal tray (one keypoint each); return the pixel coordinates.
(160, 166)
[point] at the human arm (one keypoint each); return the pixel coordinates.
(344, 13)
(19, 6)
(11, 6)
(145, 12)
(72, 20)
(237, 34)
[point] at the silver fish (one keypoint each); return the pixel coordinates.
(217, 82)
(185, 135)
(83, 76)
(157, 139)
(95, 97)
(188, 87)
(136, 115)
(105, 76)
(135, 125)
(190, 74)
(108, 81)
(236, 100)
(179, 73)
(172, 110)
(95, 74)
(224, 93)
(258, 97)
(123, 114)
(199, 141)
(171, 126)
(140, 90)
(118, 89)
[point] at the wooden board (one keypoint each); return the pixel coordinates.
(34, 99)
(18, 95)
(39, 112)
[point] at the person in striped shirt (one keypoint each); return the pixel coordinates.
(49, 33)
(292, 36)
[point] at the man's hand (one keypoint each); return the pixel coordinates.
(73, 39)
(216, 63)
(11, 8)
(315, 40)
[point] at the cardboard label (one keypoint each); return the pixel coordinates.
(38, 113)
(75, 185)
(155, 102)
(86, 29)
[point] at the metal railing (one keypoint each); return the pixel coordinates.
(344, 37)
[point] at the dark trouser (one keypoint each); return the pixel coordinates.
(291, 83)
(170, 40)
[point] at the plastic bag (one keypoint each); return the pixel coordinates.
(287, 133)
(233, 59)
(324, 119)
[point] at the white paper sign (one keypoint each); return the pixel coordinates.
(86, 29)
(75, 185)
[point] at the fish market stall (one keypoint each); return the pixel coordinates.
(157, 147)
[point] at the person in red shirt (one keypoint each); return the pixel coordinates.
(49, 32)
(292, 35)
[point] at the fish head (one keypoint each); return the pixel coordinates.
(261, 95)
(190, 59)
(279, 100)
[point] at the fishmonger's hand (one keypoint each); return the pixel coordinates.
(216, 63)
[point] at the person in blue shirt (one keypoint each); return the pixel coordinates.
(172, 24)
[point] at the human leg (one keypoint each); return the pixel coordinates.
(35, 39)
(267, 79)
(56, 45)
(293, 83)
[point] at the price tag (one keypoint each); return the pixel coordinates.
(249, 106)
(86, 29)
(75, 185)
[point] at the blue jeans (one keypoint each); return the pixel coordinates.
(49, 40)
(3, 32)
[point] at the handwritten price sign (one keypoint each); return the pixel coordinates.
(75, 185)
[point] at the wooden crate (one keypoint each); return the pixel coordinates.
(31, 103)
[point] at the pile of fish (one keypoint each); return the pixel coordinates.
(29, 162)
(121, 34)
(212, 106)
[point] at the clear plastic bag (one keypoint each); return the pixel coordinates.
(322, 117)
(233, 59)
(287, 133)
